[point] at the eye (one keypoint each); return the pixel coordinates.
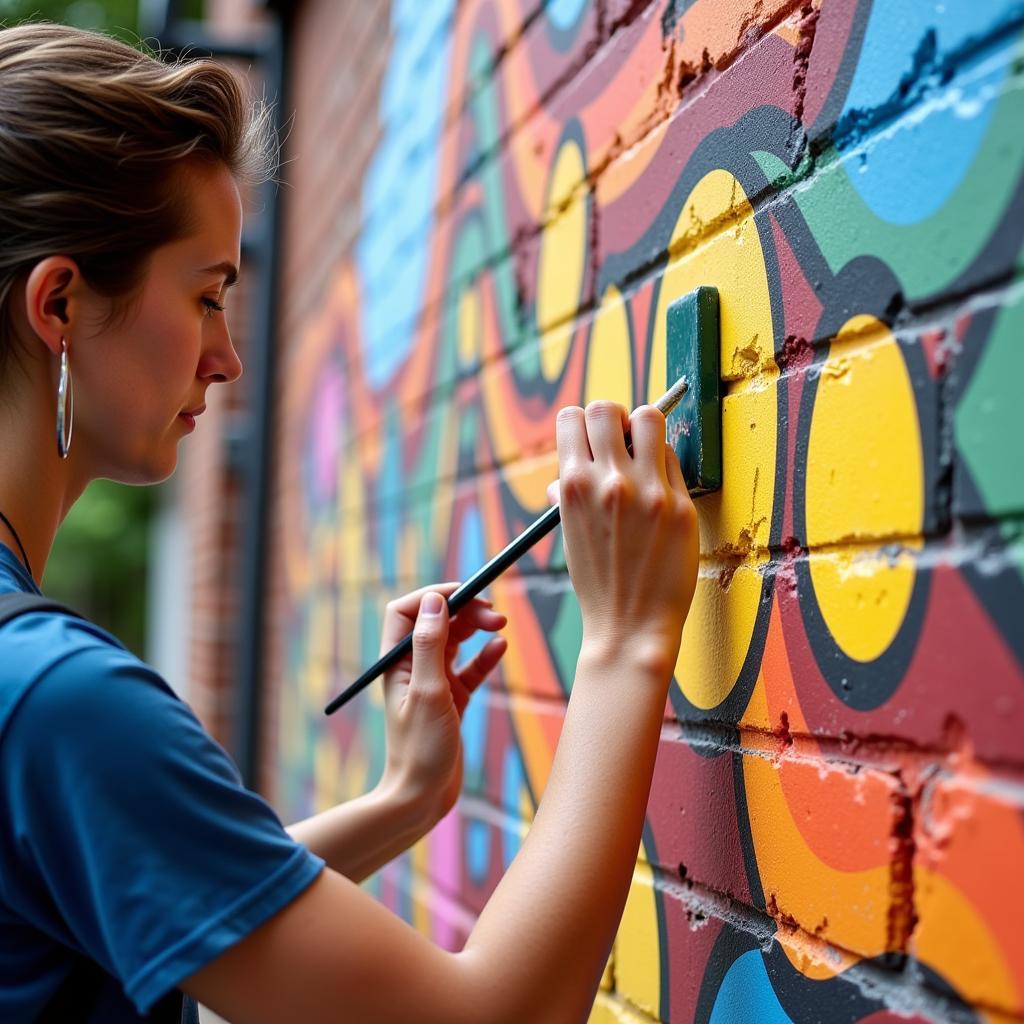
(212, 306)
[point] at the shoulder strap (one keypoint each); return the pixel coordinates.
(14, 604)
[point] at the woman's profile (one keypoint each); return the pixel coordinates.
(135, 867)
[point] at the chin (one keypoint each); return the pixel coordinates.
(153, 470)
(161, 472)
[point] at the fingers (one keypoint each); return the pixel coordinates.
(607, 423)
(552, 492)
(647, 429)
(476, 670)
(597, 433)
(470, 619)
(400, 614)
(463, 627)
(477, 614)
(410, 603)
(571, 438)
(428, 680)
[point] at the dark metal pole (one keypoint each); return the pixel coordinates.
(249, 447)
(256, 454)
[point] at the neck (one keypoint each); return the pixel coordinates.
(37, 487)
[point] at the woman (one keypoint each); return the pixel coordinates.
(134, 866)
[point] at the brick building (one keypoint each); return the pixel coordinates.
(489, 205)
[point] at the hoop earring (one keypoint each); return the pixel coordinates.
(64, 390)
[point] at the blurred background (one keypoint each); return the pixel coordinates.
(116, 17)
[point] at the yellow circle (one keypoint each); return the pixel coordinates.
(717, 633)
(610, 353)
(865, 481)
(562, 261)
(736, 521)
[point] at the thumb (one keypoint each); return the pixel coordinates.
(429, 677)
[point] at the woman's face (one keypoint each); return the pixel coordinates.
(134, 380)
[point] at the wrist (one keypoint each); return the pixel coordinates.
(640, 658)
(408, 808)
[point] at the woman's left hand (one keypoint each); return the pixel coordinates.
(425, 696)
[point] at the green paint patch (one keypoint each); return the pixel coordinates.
(988, 423)
(468, 431)
(930, 255)
(779, 174)
(372, 723)
(565, 637)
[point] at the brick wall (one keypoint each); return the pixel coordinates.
(490, 206)
(211, 500)
(212, 494)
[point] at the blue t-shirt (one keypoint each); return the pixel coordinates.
(126, 833)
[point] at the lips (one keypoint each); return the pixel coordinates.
(194, 412)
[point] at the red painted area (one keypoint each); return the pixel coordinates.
(836, 20)
(692, 811)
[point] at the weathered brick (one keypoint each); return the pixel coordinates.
(692, 814)
(968, 897)
(882, 643)
(831, 853)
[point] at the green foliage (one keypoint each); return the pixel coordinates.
(98, 561)
(115, 17)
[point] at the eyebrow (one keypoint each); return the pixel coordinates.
(229, 270)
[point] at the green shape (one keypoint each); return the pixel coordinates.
(1011, 534)
(988, 424)
(565, 636)
(693, 352)
(468, 431)
(778, 172)
(372, 719)
(487, 122)
(931, 254)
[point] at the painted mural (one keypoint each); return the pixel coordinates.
(836, 826)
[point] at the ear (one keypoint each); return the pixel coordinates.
(52, 295)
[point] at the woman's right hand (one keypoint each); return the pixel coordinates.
(630, 529)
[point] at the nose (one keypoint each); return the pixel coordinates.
(220, 362)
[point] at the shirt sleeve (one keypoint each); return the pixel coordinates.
(133, 834)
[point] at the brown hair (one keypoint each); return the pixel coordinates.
(93, 134)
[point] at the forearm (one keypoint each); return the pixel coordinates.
(580, 850)
(360, 836)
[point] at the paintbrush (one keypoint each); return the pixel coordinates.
(488, 573)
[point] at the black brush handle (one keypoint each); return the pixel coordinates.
(489, 572)
(483, 577)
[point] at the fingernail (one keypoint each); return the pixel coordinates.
(431, 603)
